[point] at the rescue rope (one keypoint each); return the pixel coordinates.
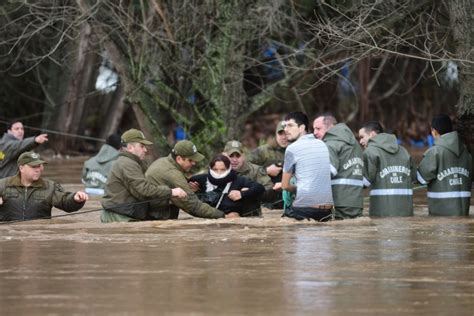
(49, 131)
(82, 212)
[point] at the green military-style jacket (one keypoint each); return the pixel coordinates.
(35, 201)
(346, 171)
(390, 172)
(255, 173)
(267, 155)
(447, 170)
(165, 171)
(127, 191)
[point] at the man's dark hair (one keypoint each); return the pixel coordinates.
(114, 140)
(442, 124)
(300, 118)
(328, 118)
(11, 122)
(373, 126)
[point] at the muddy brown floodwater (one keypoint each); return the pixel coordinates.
(394, 266)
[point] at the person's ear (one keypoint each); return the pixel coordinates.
(302, 128)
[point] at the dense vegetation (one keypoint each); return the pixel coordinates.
(212, 68)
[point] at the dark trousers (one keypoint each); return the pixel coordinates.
(172, 212)
(300, 213)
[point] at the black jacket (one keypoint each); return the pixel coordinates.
(247, 206)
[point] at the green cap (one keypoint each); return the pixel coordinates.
(135, 136)
(280, 127)
(233, 146)
(187, 149)
(30, 158)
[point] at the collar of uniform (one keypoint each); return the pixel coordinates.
(245, 167)
(15, 181)
(173, 162)
(135, 158)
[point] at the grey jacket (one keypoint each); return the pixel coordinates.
(97, 169)
(10, 149)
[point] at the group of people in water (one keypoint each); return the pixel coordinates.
(319, 175)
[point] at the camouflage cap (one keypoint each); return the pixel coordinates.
(134, 136)
(280, 127)
(187, 149)
(30, 158)
(233, 146)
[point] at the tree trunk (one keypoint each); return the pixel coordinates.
(364, 79)
(72, 108)
(114, 114)
(462, 24)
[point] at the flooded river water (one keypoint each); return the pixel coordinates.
(270, 265)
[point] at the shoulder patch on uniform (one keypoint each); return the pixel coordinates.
(262, 171)
(58, 187)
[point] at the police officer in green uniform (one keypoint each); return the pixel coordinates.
(346, 165)
(447, 170)
(171, 171)
(27, 196)
(270, 156)
(388, 171)
(127, 191)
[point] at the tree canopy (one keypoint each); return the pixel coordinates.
(211, 66)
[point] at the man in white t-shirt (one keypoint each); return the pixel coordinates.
(307, 159)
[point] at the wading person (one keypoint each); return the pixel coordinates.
(447, 170)
(234, 150)
(223, 189)
(388, 171)
(307, 159)
(27, 196)
(170, 172)
(270, 156)
(96, 169)
(13, 144)
(346, 165)
(127, 191)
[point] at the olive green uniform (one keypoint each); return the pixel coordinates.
(127, 191)
(166, 172)
(266, 155)
(35, 201)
